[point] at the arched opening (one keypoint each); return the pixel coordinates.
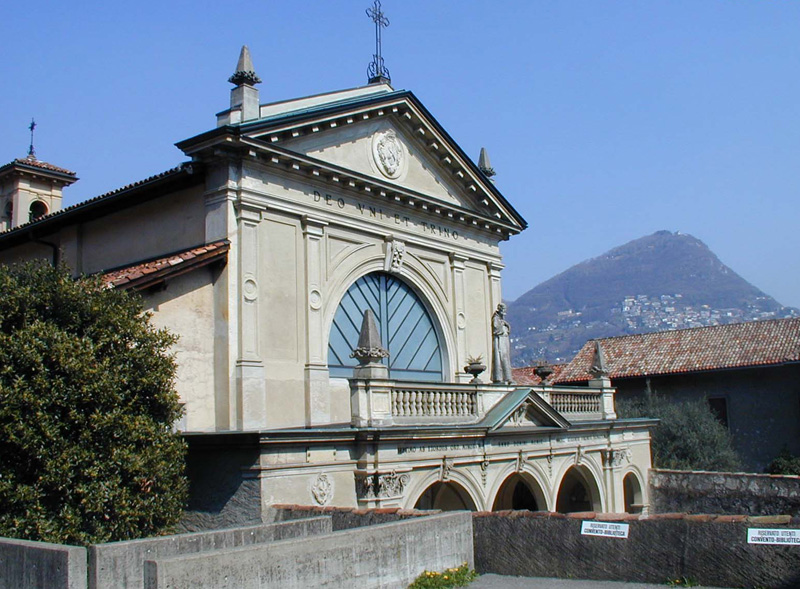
(634, 502)
(8, 213)
(519, 492)
(406, 327)
(38, 209)
(578, 492)
(447, 497)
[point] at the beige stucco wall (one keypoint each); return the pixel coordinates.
(185, 307)
(154, 228)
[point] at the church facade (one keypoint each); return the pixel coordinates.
(263, 252)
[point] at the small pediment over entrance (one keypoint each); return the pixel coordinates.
(523, 408)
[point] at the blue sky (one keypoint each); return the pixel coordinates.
(605, 120)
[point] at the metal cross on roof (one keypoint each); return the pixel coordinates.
(31, 151)
(377, 72)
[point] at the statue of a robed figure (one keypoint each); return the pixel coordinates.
(501, 346)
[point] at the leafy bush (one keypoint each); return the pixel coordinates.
(784, 463)
(454, 577)
(87, 401)
(689, 436)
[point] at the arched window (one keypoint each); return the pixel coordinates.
(9, 211)
(38, 209)
(407, 329)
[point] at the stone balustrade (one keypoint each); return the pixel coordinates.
(381, 402)
(580, 403)
(424, 400)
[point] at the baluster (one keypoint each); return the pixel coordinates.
(418, 409)
(394, 402)
(405, 404)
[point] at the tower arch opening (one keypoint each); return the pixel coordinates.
(37, 209)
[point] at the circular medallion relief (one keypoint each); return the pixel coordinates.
(250, 288)
(387, 151)
(315, 299)
(461, 320)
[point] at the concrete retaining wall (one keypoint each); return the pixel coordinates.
(34, 565)
(385, 555)
(121, 564)
(723, 493)
(712, 550)
(345, 518)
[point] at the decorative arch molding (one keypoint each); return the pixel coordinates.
(532, 476)
(590, 470)
(459, 477)
(413, 277)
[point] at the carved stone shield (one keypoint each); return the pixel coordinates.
(388, 154)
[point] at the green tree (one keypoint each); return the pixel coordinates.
(689, 437)
(784, 463)
(87, 403)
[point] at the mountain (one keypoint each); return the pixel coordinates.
(661, 281)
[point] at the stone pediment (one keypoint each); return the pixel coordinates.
(391, 138)
(524, 408)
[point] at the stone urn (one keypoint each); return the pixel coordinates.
(475, 367)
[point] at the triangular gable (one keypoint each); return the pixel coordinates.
(523, 408)
(367, 135)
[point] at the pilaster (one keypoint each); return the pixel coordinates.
(495, 289)
(251, 385)
(317, 390)
(457, 267)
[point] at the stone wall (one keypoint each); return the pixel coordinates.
(223, 491)
(33, 565)
(723, 493)
(345, 518)
(383, 555)
(711, 550)
(121, 564)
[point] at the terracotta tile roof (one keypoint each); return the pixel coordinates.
(737, 345)
(527, 376)
(148, 273)
(28, 161)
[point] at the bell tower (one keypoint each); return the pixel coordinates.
(30, 188)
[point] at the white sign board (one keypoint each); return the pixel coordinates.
(606, 529)
(773, 536)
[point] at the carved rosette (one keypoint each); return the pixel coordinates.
(388, 485)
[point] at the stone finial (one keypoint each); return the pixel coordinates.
(369, 348)
(484, 165)
(244, 74)
(598, 368)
